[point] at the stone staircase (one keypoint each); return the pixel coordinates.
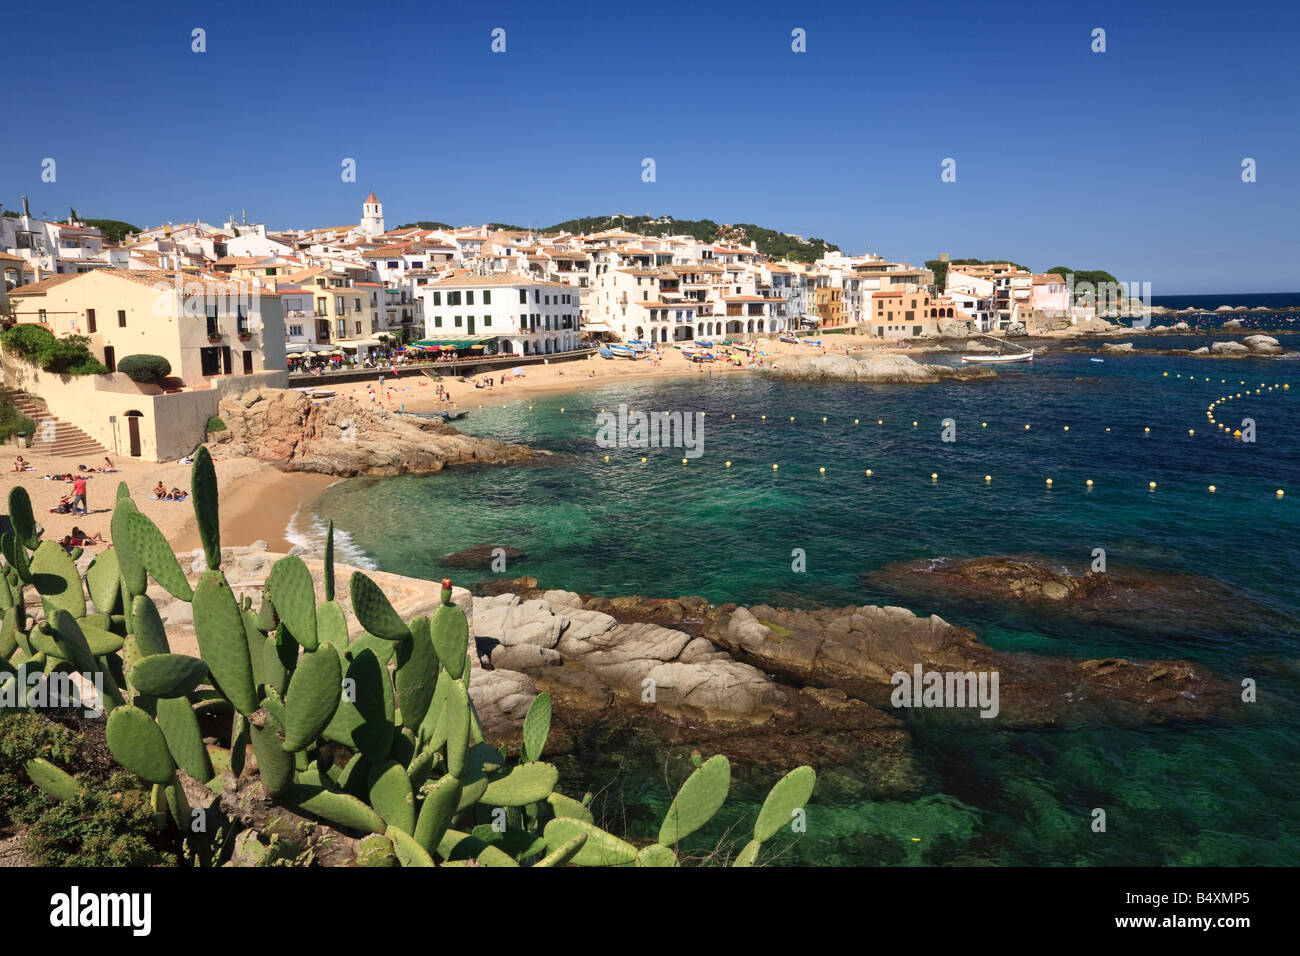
(69, 441)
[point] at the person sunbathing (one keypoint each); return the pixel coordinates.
(95, 538)
(160, 491)
(20, 464)
(178, 495)
(64, 506)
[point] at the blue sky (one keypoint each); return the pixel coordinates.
(1128, 160)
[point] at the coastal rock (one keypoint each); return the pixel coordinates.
(880, 368)
(1262, 344)
(975, 345)
(1228, 348)
(1181, 327)
(1231, 323)
(1117, 347)
(480, 556)
(345, 437)
(1203, 350)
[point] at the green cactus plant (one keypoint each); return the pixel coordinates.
(377, 736)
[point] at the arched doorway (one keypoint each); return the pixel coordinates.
(133, 432)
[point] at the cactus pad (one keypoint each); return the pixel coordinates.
(697, 801)
(137, 743)
(219, 628)
(312, 698)
(168, 675)
(203, 484)
(291, 588)
(372, 609)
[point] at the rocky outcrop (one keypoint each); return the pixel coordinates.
(1228, 348)
(1262, 344)
(1114, 348)
(878, 368)
(345, 437)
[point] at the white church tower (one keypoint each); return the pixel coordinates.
(372, 216)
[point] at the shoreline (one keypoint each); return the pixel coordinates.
(260, 508)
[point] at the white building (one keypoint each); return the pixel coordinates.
(372, 217)
(524, 316)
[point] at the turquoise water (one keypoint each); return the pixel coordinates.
(1215, 793)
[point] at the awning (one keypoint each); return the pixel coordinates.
(455, 341)
(363, 344)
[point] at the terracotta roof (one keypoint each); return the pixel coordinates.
(45, 285)
(507, 279)
(371, 197)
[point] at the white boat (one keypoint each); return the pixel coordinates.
(622, 351)
(999, 359)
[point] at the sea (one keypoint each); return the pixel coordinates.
(729, 526)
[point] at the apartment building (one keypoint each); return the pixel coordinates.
(509, 314)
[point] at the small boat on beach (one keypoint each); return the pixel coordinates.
(703, 344)
(622, 351)
(605, 353)
(741, 348)
(789, 339)
(637, 345)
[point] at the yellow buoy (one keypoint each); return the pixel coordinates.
(988, 478)
(733, 415)
(868, 472)
(1280, 492)
(683, 461)
(1213, 489)
(791, 418)
(728, 464)
(913, 424)
(822, 470)
(1146, 430)
(764, 418)
(1166, 374)
(1191, 431)
(602, 410)
(855, 421)
(1049, 482)
(823, 418)
(1089, 482)
(1151, 485)
(530, 408)
(1026, 428)
(607, 457)
(880, 421)
(1067, 428)
(561, 411)
(1107, 429)
(1237, 433)
(934, 476)
(774, 467)
(984, 424)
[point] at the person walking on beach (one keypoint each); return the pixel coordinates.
(79, 495)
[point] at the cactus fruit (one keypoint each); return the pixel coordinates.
(151, 548)
(168, 675)
(450, 631)
(312, 698)
(704, 791)
(291, 588)
(203, 484)
(56, 580)
(103, 581)
(417, 673)
(537, 726)
(600, 848)
(372, 609)
(137, 743)
(57, 783)
(219, 628)
(180, 728)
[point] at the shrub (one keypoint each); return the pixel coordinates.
(69, 355)
(215, 424)
(23, 737)
(107, 825)
(150, 369)
(12, 421)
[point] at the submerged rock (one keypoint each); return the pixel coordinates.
(480, 556)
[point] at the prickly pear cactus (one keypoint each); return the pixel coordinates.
(376, 737)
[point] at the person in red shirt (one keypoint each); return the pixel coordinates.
(79, 495)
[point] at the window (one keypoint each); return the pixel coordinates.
(339, 307)
(487, 296)
(342, 328)
(536, 296)
(523, 320)
(322, 305)
(458, 322)
(358, 327)
(453, 298)
(90, 321)
(437, 298)
(121, 318)
(469, 297)
(357, 304)
(295, 330)
(523, 296)
(911, 316)
(437, 321)
(210, 361)
(214, 331)
(40, 314)
(487, 320)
